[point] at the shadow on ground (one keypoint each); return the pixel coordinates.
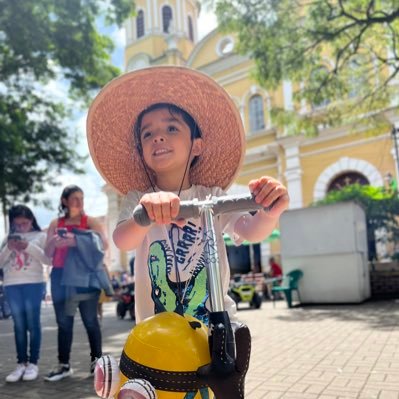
(381, 315)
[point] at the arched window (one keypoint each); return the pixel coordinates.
(190, 29)
(140, 24)
(256, 114)
(346, 179)
(166, 18)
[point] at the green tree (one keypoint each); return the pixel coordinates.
(330, 49)
(43, 41)
(381, 208)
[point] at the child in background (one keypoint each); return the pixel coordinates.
(22, 259)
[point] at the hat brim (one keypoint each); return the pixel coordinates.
(114, 111)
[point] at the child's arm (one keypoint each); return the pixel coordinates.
(129, 235)
(162, 207)
(267, 191)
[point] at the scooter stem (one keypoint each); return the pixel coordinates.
(223, 350)
(211, 248)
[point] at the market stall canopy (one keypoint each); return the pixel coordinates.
(274, 236)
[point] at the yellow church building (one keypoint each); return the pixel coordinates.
(166, 32)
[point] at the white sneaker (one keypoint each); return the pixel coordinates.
(59, 372)
(31, 372)
(17, 374)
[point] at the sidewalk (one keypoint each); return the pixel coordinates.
(324, 352)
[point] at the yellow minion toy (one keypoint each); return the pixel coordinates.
(159, 360)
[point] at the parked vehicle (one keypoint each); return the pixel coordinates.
(245, 292)
(126, 302)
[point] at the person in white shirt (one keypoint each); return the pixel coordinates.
(22, 258)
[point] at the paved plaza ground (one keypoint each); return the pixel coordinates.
(324, 352)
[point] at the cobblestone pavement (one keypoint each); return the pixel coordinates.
(324, 352)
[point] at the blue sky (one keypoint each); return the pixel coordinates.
(91, 182)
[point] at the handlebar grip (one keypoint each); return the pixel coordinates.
(229, 203)
(192, 209)
(140, 216)
(188, 209)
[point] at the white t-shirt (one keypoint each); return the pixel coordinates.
(169, 254)
(25, 267)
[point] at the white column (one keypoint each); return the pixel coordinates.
(195, 23)
(287, 91)
(265, 253)
(293, 174)
(148, 28)
(112, 219)
(180, 27)
(185, 22)
(156, 13)
(129, 31)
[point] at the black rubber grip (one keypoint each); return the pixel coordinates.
(192, 209)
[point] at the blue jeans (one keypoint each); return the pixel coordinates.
(25, 302)
(88, 313)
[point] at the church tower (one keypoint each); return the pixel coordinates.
(161, 32)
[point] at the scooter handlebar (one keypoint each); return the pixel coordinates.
(192, 208)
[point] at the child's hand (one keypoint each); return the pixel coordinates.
(268, 191)
(162, 207)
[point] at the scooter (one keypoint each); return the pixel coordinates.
(175, 356)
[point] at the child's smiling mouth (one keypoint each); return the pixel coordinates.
(161, 151)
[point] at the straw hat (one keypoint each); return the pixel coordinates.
(114, 111)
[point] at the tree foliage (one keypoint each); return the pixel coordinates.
(332, 50)
(381, 208)
(42, 42)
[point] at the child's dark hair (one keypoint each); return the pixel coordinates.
(173, 110)
(25, 212)
(66, 192)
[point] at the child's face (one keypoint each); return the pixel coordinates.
(166, 142)
(22, 224)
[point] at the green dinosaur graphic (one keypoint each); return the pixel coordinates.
(166, 293)
(159, 263)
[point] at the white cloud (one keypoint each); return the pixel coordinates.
(118, 36)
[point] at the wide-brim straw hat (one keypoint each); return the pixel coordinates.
(113, 114)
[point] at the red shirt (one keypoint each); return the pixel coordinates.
(276, 270)
(60, 254)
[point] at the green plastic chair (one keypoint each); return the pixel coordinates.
(289, 284)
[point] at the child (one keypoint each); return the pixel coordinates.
(175, 135)
(22, 258)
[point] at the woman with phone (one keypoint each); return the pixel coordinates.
(22, 258)
(60, 239)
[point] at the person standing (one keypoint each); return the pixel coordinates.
(62, 238)
(275, 269)
(22, 258)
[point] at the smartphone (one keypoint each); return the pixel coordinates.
(14, 237)
(62, 231)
